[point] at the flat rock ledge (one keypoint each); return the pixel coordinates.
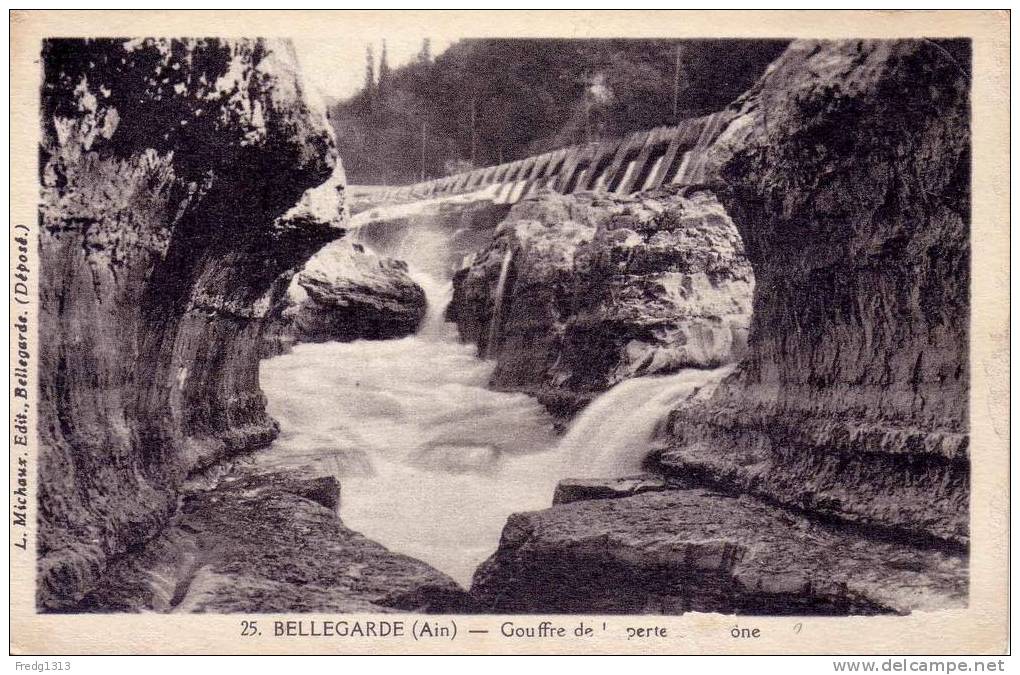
(579, 489)
(269, 541)
(696, 550)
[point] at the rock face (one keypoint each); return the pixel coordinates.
(269, 541)
(183, 181)
(696, 550)
(579, 489)
(576, 293)
(840, 439)
(351, 294)
(846, 169)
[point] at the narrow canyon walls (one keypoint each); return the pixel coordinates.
(576, 293)
(846, 169)
(182, 183)
(829, 472)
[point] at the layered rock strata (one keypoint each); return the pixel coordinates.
(576, 293)
(696, 550)
(183, 181)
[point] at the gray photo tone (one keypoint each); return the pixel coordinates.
(605, 326)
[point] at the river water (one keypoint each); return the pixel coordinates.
(430, 461)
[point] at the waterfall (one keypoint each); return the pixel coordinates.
(613, 435)
(438, 293)
(504, 270)
(431, 460)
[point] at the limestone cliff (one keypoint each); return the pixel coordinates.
(846, 169)
(576, 293)
(182, 182)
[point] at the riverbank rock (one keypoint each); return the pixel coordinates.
(346, 293)
(579, 489)
(579, 292)
(278, 332)
(269, 541)
(183, 181)
(846, 170)
(695, 550)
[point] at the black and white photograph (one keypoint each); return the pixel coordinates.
(429, 322)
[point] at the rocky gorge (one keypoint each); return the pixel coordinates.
(852, 400)
(744, 395)
(184, 182)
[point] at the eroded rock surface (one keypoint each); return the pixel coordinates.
(695, 550)
(579, 292)
(183, 181)
(437, 233)
(347, 293)
(846, 169)
(270, 541)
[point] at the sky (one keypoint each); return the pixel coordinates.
(336, 67)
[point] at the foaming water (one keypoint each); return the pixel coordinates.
(497, 314)
(431, 462)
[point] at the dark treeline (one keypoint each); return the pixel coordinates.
(482, 102)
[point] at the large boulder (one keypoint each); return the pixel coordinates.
(576, 293)
(346, 293)
(183, 181)
(846, 170)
